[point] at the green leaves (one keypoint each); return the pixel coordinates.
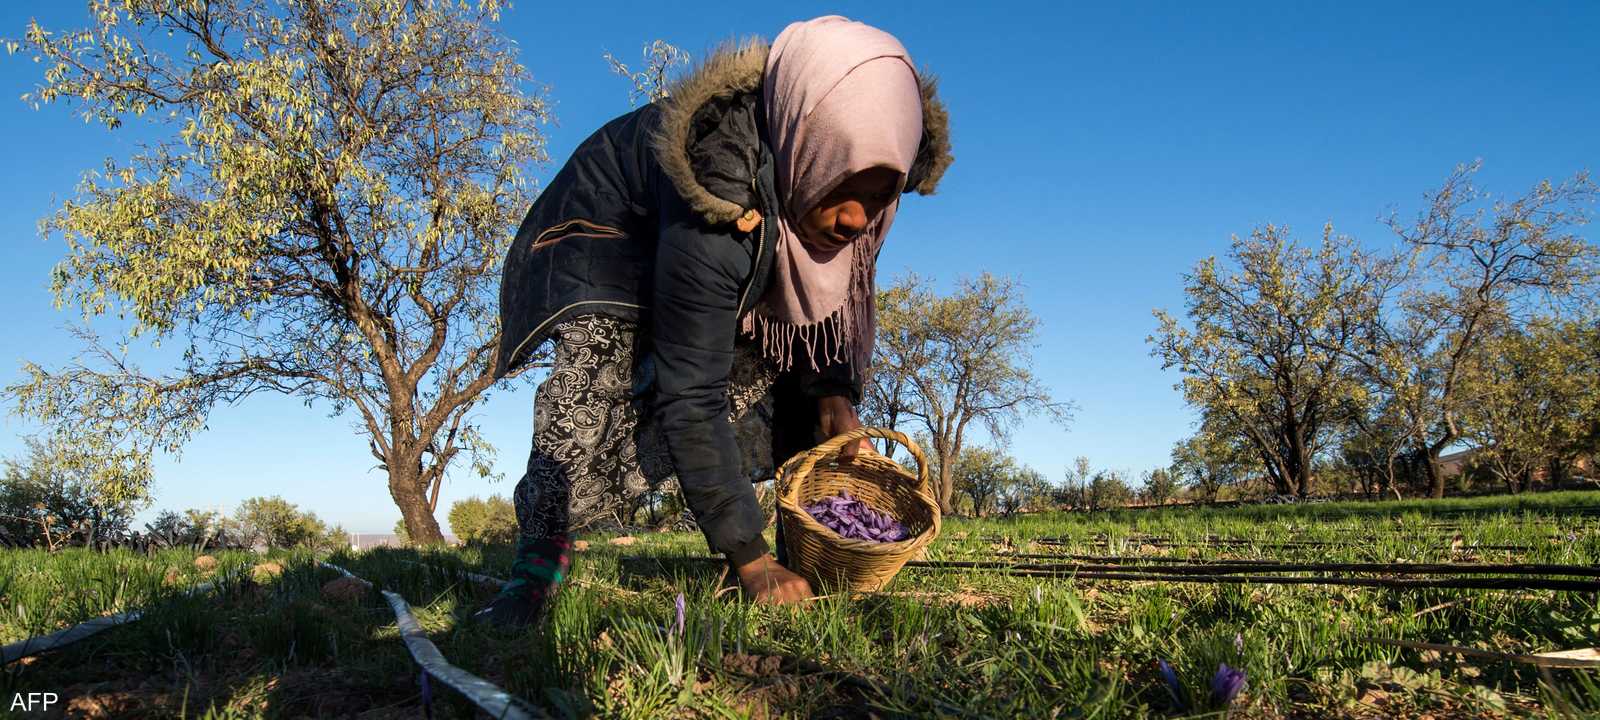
(323, 212)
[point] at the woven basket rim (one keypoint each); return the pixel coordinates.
(789, 507)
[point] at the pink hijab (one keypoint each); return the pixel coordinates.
(841, 97)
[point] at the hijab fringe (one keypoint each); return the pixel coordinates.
(845, 335)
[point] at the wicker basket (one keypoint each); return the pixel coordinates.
(821, 555)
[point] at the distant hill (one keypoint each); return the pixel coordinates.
(364, 541)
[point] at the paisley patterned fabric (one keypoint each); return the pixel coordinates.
(596, 452)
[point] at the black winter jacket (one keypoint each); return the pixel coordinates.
(639, 224)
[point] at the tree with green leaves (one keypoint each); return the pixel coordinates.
(651, 83)
(949, 363)
(476, 521)
(1026, 488)
(1074, 491)
(983, 474)
(1536, 400)
(1109, 489)
(1264, 349)
(1159, 486)
(71, 490)
(322, 213)
(277, 523)
(1215, 457)
(1477, 267)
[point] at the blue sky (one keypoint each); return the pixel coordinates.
(1101, 151)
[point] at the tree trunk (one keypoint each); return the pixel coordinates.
(1436, 477)
(405, 486)
(947, 485)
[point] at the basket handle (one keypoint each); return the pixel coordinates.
(805, 463)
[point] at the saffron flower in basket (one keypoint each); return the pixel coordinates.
(854, 519)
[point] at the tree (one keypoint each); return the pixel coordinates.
(1075, 489)
(651, 83)
(1108, 489)
(1373, 440)
(278, 523)
(1159, 486)
(1026, 488)
(983, 474)
(71, 490)
(1477, 268)
(947, 362)
(484, 522)
(1212, 459)
(322, 214)
(1536, 394)
(1266, 350)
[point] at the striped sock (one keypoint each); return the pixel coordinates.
(540, 567)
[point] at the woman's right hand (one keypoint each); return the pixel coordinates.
(765, 581)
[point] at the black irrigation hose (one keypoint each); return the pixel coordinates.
(1254, 566)
(1240, 542)
(1514, 583)
(1063, 570)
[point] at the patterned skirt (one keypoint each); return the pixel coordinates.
(597, 453)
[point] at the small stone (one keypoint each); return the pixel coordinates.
(205, 563)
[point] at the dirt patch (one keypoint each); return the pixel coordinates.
(116, 699)
(753, 665)
(624, 541)
(964, 598)
(266, 571)
(580, 545)
(344, 589)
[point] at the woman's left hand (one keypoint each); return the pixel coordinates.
(838, 416)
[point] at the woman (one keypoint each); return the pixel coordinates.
(705, 267)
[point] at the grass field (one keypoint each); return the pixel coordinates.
(950, 642)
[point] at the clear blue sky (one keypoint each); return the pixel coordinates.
(1100, 152)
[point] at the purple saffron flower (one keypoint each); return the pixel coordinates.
(1173, 688)
(1226, 684)
(679, 604)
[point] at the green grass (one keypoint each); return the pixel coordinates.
(945, 642)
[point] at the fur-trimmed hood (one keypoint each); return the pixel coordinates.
(708, 140)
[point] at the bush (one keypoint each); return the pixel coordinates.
(278, 523)
(193, 529)
(58, 497)
(484, 522)
(1108, 490)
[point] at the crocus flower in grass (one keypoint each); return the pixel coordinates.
(1226, 684)
(678, 628)
(1173, 688)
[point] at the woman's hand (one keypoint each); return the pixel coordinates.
(765, 581)
(838, 416)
